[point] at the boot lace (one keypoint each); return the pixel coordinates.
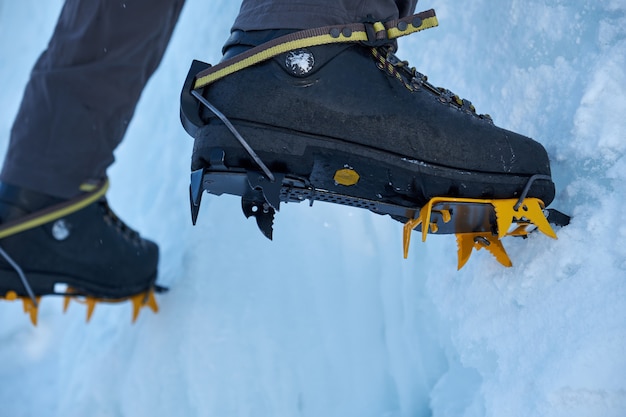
(414, 80)
(122, 228)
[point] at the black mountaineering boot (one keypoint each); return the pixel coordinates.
(74, 248)
(332, 114)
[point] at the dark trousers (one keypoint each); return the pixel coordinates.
(84, 87)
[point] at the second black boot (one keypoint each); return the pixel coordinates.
(81, 245)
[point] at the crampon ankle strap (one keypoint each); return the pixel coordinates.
(92, 193)
(368, 33)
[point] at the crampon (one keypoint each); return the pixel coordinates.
(138, 302)
(477, 223)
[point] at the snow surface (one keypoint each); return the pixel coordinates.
(328, 319)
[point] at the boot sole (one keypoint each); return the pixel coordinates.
(382, 176)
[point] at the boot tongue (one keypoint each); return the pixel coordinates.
(240, 41)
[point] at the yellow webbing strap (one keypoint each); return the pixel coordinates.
(93, 194)
(352, 33)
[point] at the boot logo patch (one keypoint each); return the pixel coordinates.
(300, 62)
(60, 230)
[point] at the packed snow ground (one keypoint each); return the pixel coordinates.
(328, 319)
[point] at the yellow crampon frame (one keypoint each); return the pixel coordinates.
(479, 223)
(139, 301)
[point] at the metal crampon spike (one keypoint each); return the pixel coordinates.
(31, 309)
(144, 299)
(68, 297)
(530, 209)
(66, 303)
(90, 302)
(466, 242)
(424, 218)
(91, 306)
(406, 234)
(426, 213)
(29, 305)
